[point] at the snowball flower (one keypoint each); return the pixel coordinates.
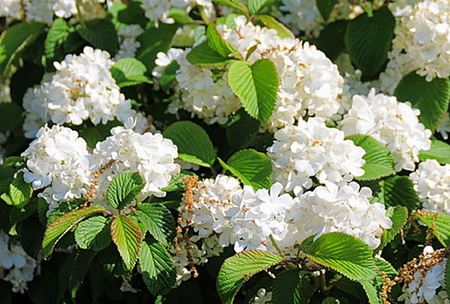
(394, 124)
(311, 149)
(432, 185)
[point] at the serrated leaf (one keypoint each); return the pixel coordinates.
(15, 39)
(129, 72)
(93, 233)
(153, 41)
(128, 238)
(398, 216)
(60, 226)
(272, 23)
(256, 86)
(55, 39)
(157, 267)
(123, 189)
(252, 167)
(101, 34)
(386, 267)
(331, 39)
(217, 43)
(159, 222)
(439, 224)
(439, 151)
(241, 129)
(19, 192)
(254, 6)
(193, 143)
(394, 191)
(31, 234)
(10, 116)
(371, 292)
(128, 13)
(79, 268)
(430, 97)
(325, 7)
(203, 54)
(368, 40)
(6, 178)
(236, 4)
(286, 287)
(379, 161)
(343, 253)
(111, 261)
(241, 267)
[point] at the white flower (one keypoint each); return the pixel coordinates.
(431, 183)
(128, 44)
(394, 124)
(313, 150)
(444, 126)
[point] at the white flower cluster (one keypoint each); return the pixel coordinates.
(58, 161)
(431, 183)
(128, 44)
(16, 266)
(82, 88)
(311, 149)
(394, 124)
(157, 10)
(310, 82)
(427, 286)
(43, 10)
(421, 42)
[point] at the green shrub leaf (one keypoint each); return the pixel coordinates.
(254, 6)
(331, 39)
(157, 267)
(128, 238)
(159, 222)
(325, 7)
(379, 161)
(93, 233)
(287, 287)
(368, 40)
(398, 216)
(123, 189)
(252, 167)
(19, 193)
(101, 33)
(54, 42)
(236, 4)
(241, 267)
(15, 39)
(129, 72)
(241, 129)
(79, 268)
(256, 86)
(217, 43)
(343, 253)
(439, 223)
(10, 116)
(60, 226)
(439, 151)
(193, 143)
(272, 23)
(204, 54)
(430, 97)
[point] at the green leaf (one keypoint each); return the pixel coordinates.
(371, 292)
(439, 151)
(19, 193)
(97, 133)
(204, 54)
(394, 191)
(193, 143)
(153, 41)
(236, 4)
(79, 268)
(241, 267)
(20, 214)
(368, 40)
(128, 13)
(331, 39)
(252, 167)
(447, 278)
(10, 116)
(128, 238)
(256, 86)
(123, 189)
(93, 233)
(129, 72)
(286, 287)
(343, 253)
(159, 222)
(31, 233)
(272, 23)
(398, 216)
(169, 75)
(325, 7)
(217, 43)
(56, 37)
(430, 97)
(439, 224)
(25, 77)
(241, 129)
(59, 227)
(379, 161)
(157, 267)
(15, 39)
(254, 6)
(386, 267)
(101, 33)
(6, 178)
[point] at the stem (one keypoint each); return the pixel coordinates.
(274, 243)
(203, 15)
